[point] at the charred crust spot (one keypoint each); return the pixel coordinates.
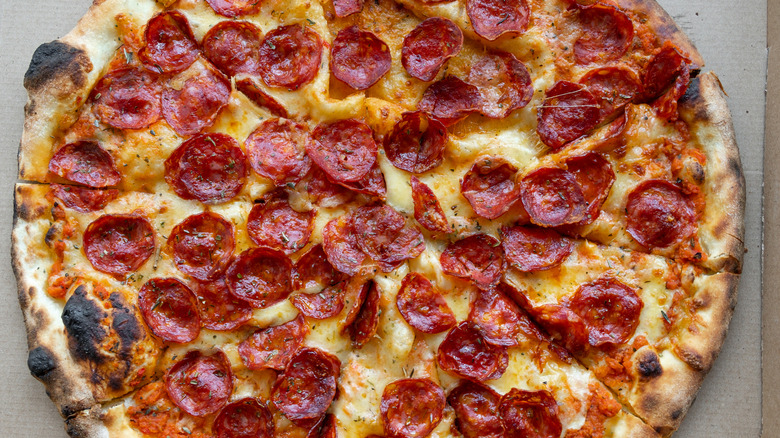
(693, 93)
(82, 318)
(649, 366)
(693, 358)
(677, 413)
(128, 330)
(56, 59)
(40, 362)
(51, 235)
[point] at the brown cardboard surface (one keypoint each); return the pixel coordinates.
(731, 36)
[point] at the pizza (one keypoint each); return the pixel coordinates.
(410, 218)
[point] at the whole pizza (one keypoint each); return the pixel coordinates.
(350, 218)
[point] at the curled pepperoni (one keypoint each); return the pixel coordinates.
(531, 249)
(427, 209)
(272, 223)
(450, 100)
(170, 309)
(503, 82)
(233, 47)
(127, 98)
(260, 276)
(465, 352)
(606, 34)
(476, 410)
(595, 176)
(170, 45)
(429, 45)
(384, 236)
(569, 111)
(323, 192)
(326, 428)
(208, 167)
(273, 347)
(552, 197)
(493, 18)
(359, 58)
(260, 97)
(498, 318)
(196, 103)
(363, 328)
(666, 105)
(411, 408)
(202, 245)
(234, 8)
(340, 244)
(416, 143)
(373, 184)
(490, 187)
(307, 387)
(290, 56)
(530, 414)
(422, 306)
(344, 8)
(612, 87)
(355, 295)
(314, 269)
(82, 199)
(610, 310)
(118, 244)
(245, 418)
(200, 385)
(323, 305)
(277, 150)
(478, 258)
(345, 149)
(85, 162)
(564, 324)
(658, 214)
(662, 70)
(219, 310)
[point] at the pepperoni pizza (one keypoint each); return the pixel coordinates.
(407, 218)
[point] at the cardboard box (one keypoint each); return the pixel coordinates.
(732, 37)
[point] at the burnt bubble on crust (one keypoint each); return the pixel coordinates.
(54, 60)
(40, 361)
(125, 325)
(649, 365)
(82, 318)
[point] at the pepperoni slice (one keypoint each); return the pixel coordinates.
(373, 184)
(411, 408)
(208, 167)
(662, 70)
(498, 318)
(595, 176)
(200, 385)
(503, 82)
(422, 306)
(666, 105)
(233, 47)
(234, 8)
(416, 143)
(326, 428)
(345, 149)
(605, 34)
(476, 410)
(273, 347)
(340, 244)
(564, 324)
(323, 192)
(290, 56)
(323, 305)
(465, 352)
(118, 244)
(170, 309)
(530, 414)
(314, 269)
(429, 45)
(427, 209)
(450, 100)
(260, 97)
(363, 328)
(85, 162)
(658, 214)
(202, 245)
(170, 44)
(344, 8)
(478, 258)
(355, 295)
(82, 199)
(552, 197)
(260, 276)
(490, 187)
(277, 150)
(359, 58)
(609, 308)
(307, 387)
(531, 249)
(613, 88)
(569, 111)
(272, 223)
(384, 236)
(245, 418)
(128, 98)
(493, 18)
(218, 309)
(196, 103)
